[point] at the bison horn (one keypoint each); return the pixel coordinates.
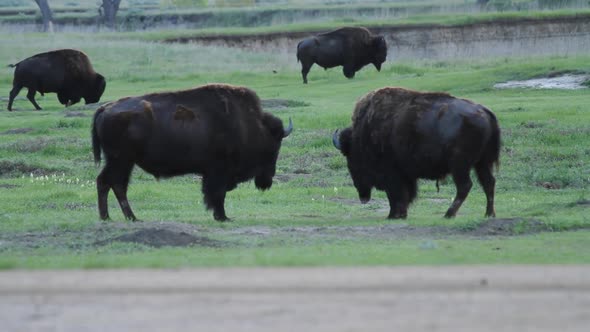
(289, 129)
(336, 139)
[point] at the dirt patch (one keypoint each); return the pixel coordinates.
(566, 82)
(582, 202)
(175, 234)
(278, 104)
(17, 131)
(157, 238)
(70, 114)
(78, 206)
(508, 227)
(19, 168)
(550, 185)
(29, 146)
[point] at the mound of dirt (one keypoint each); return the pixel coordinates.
(71, 114)
(281, 103)
(582, 202)
(18, 168)
(157, 238)
(508, 227)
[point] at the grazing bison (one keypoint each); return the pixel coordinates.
(351, 48)
(398, 136)
(66, 72)
(216, 130)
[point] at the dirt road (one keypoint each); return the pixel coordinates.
(486, 298)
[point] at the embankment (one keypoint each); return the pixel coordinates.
(500, 38)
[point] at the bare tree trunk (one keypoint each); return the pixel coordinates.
(108, 11)
(482, 4)
(46, 14)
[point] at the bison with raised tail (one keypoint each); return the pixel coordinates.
(216, 130)
(399, 136)
(351, 47)
(65, 72)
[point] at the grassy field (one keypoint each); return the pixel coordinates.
(311, 216)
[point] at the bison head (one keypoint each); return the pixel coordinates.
(360, 177)
(263, 180)
(379, 51)
(95, 90)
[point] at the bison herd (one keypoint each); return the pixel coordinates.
(219, 131)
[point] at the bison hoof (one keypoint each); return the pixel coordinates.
(449, 215)
(221, 218)
(397, 216)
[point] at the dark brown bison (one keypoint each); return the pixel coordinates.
(218, 131)
(66, 72)
(352, 48)
(398, 136)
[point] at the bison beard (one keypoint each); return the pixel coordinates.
(218, 131)
(399, 136)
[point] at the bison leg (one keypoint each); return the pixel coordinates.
(348, 71)
(463, 184)
(115, 175)
(488, 183)
(120, 186)
(103, 187)
(31, 97)
(305, 67)
(214, 190)
(13, 93)
(398, 203)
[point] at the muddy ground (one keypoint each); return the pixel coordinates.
(176, 234)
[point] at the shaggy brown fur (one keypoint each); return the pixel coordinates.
(399, 135)
(349, 47)
(216, 130)
(66, 72)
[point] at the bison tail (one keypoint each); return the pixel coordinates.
(299, 51)
(492, 153)
(96, 150)
(11, 65)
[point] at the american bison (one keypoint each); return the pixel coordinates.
(66, 72)
(399, 136)
(351, 47)
(216, 130)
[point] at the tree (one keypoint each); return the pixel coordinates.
(482, 3)
(46, 14)
(108, 12)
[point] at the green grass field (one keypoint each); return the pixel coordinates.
(48, 215)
